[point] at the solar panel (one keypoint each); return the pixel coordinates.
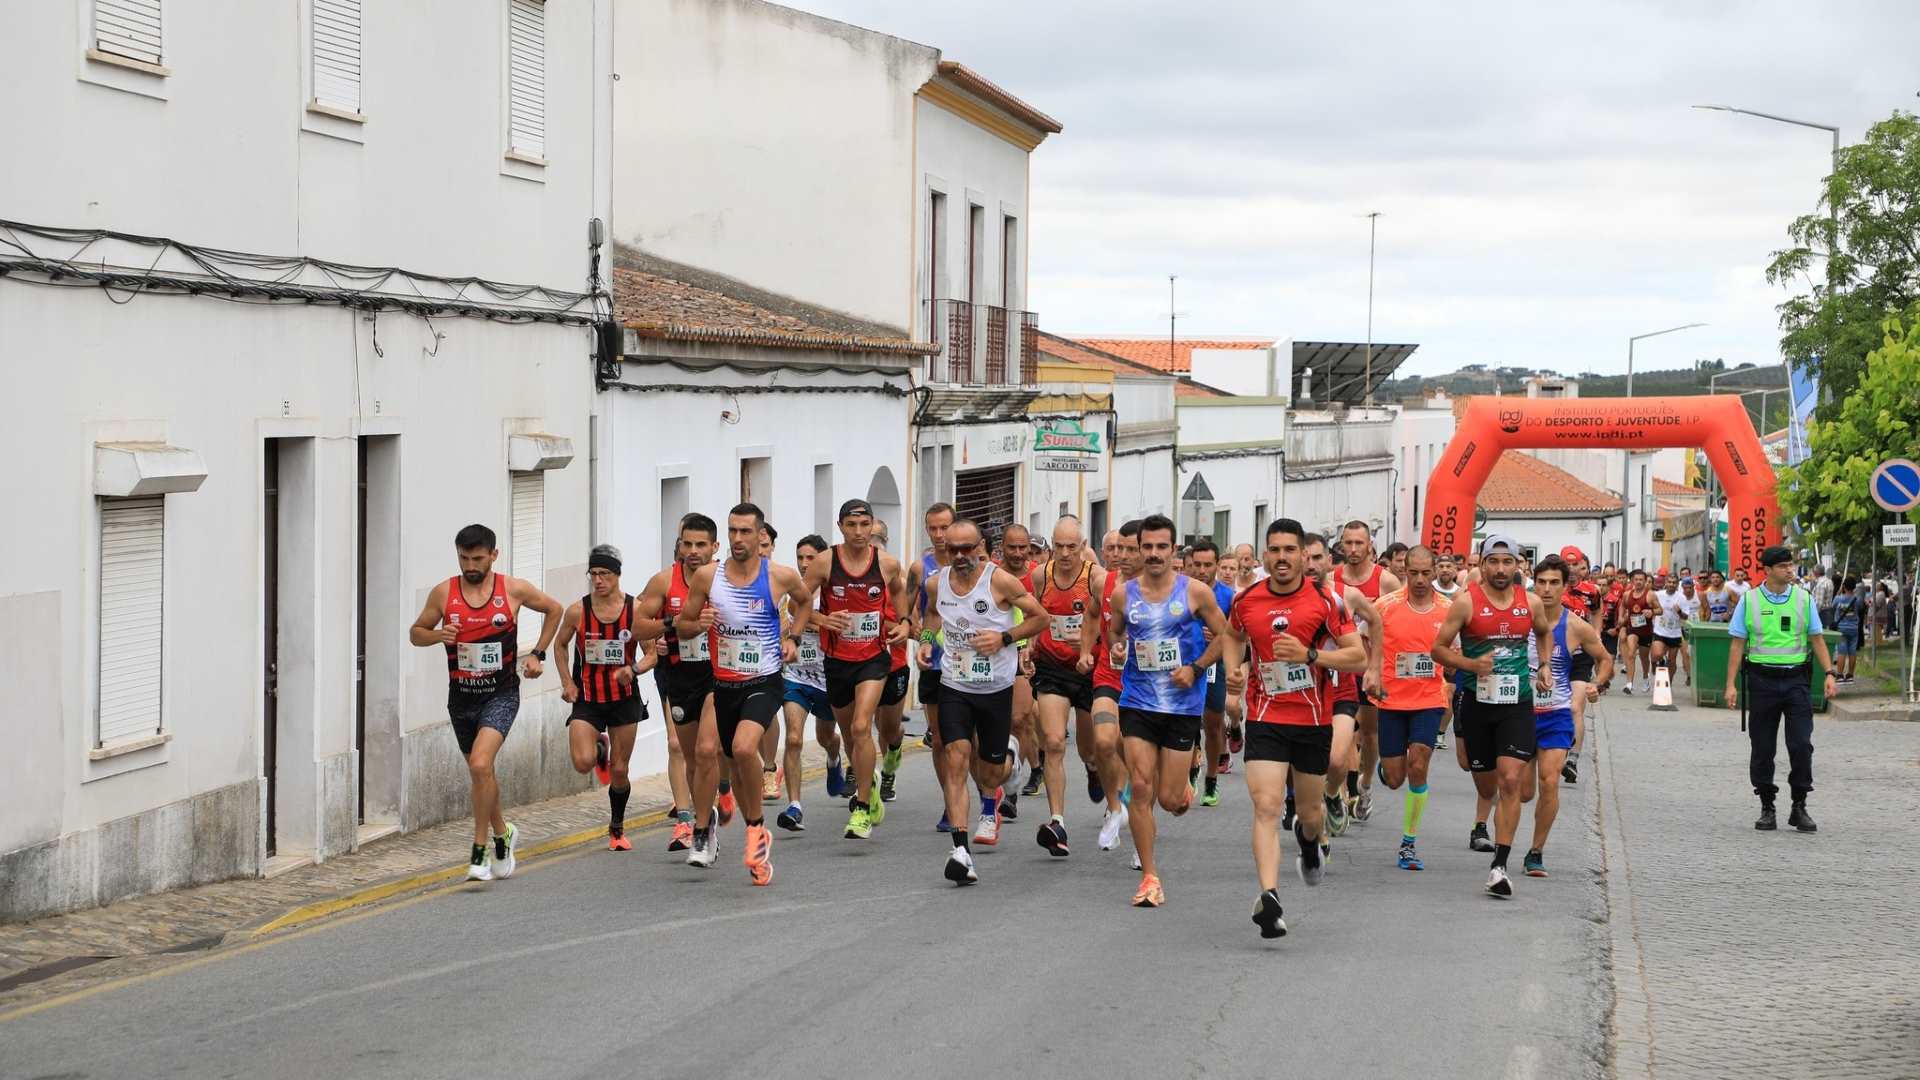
(1341, 371)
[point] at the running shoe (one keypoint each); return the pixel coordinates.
(1236, 739)
(1409, 859)
(758, 856)
(726, 805)
(1478, 839)
(877, 812)
(1150, 893)
(1053, 837)
(1036, 778)
(945, 825)
(987, 833)
(859, 824)
(1110, 826)
(1266, 915)
(617, 840)
(1210, 797)
(1096, 791)
(1570, 772)
(769, 786)
(790, 818)
(1627, 690)
(1136, 862)
(1499, 884)
(887, 793)
(960, 867)
(1289, 816)
(1363, 806)
(836, 781)
(503, 849)
(478, 869)
(1224, 765)
(1009, 802)
(1440, 741)
(890, 762)
(1336, 814)
(1534, 864)
(682, 836)
(705, 849)
(602, 747)
(1311, 863)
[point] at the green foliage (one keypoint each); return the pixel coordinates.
(1860, 266)
(1878, 420)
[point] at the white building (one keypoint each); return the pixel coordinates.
(1422, 431)
(247, 471)
(1260, 460)
(1144, 430)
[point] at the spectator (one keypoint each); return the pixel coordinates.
(1847, 614)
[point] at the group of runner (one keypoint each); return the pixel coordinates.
(1323, 663)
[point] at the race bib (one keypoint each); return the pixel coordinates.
(605, 651)
(483, 656)
(741, 655)
(1066, 628)
(862, 626)
(808, 655)
(1413, 665)
(1497, 689)
(1156, 654)
(973, 667)
(694, 649)
(1283, 677)
(1638, 620)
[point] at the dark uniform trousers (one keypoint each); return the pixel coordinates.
(1774, 694)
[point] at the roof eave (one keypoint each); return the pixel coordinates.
(774, 339)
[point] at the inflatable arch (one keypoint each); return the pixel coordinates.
(1718, 425)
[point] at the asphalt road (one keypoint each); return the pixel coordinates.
(862, 961)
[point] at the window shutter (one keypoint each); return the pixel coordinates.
(336, 54)
(986, 497)
(129, 28)
(529, 540)
(131, 547)
(527, 77)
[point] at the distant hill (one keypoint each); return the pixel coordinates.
(1672, 382)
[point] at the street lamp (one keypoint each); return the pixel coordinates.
(1626, 463)
(1654, 333)
(1833, 213)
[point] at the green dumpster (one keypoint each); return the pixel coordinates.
(1711, 646)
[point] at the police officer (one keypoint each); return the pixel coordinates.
(1776, 628)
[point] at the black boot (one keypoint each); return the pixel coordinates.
(1766, 823)
(1800, 819)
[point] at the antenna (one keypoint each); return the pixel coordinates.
(1373, 224)
(1173, 318)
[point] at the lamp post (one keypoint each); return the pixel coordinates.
(1626, 465)
(1833, 212)
(1373, 225)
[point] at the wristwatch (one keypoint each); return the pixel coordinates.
(1313, 655)
(1006, 638)
(538, 654)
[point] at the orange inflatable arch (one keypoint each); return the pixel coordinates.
(1718, 425)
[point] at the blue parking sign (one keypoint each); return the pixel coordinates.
(1896, 485)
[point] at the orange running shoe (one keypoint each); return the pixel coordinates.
(758, 856)
(602, 753)
(769, 787)
(617, 841)
(682, 836)
(1150, 894)
(725, 805)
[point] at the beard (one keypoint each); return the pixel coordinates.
(473, 577)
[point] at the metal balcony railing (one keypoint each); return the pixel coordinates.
(982, 345)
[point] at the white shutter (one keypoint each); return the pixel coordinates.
(336, 54)
(529, 541)
(131, 547)
(527, 77)
(129, 28)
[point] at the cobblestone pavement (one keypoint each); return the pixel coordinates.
(1750, 954)
(147, 932)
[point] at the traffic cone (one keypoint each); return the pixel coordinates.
(1663, 691)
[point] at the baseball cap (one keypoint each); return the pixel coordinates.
(1499, 544)
(855, 508)
(1664, 571)
(1570, 552)
(1776, 555)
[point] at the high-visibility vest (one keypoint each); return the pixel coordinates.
(1767, 642)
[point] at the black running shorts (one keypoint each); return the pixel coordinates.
(1495, 731)
(1580, 667)
(844, 675)
(756, 701)
(610, 714)
(896, 691)
(685, 687)
(1307, 747)
(985, 720)
(929, 692)
(1054, 679)
(1169, 731)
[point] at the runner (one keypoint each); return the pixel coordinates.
(599, 684)
(1582, 598)
(891, 717)
(1679, 605)
(1446, 574)
(1155, 623)
(1413, 692)
(1491, 622)
(1637, 608)
(938, 518)
(975, 600)
(1248, 567)
(476, 617)
(770, 739)
(1718, 599)
(685, 681)
(1063, 663)
(1553, 712)
(1016, 558)
(1283, 621)
(863, 612)
(1107, 772)
(738, 604)
(804, 693)
(1371, 580)
(1202, 566)
(1395, 559)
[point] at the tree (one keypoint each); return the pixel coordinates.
(1871, 248)
(1880, 419)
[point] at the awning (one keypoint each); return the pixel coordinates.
(536, 452)
(123, 470)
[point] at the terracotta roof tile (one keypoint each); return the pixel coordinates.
(1668, 487)
(654, 305)
(1175, 356)
(1077, 352)
(1523, 484)
(985, 88)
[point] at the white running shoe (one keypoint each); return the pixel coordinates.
(480, 869)
(1136, 861)
(705, 849)
(1110, 827)
(1499, 884)
(988, 831)
(503, 865)
(960, 867)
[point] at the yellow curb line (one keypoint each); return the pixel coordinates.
(320, 909)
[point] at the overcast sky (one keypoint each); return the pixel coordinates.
(1545, 190)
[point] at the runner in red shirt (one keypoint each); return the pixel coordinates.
(1282, 623)
(1361, 574)
(685, 681)
(1637, 609)
(1582, 598)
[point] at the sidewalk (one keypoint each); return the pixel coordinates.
(1742, 953)
(62, 953)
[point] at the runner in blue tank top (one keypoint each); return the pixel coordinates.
(1157, 623)
(1553, 711)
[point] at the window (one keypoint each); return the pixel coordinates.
(1261, 515)
(1223, 529)
(976, 241)
(1096, 531)
(527, 79)
(129, 29)
(756, 481)
(336, 55)
(986, 496)
(1009, 261)
(132, 544)
(936, 236)
(527, 544)
(823, 507)
(674, 504)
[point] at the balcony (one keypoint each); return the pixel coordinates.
(982, 345)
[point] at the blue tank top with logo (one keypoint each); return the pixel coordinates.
(928, 568)
(1161, 637)
(1561, 663)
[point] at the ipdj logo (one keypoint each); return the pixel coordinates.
(1510, 421)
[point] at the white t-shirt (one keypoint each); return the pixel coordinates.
(1675, 609)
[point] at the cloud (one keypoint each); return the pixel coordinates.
(1545, 189)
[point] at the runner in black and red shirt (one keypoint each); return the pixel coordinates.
(685, 681)
(1582, 598)
(1361, 574)
(1282, 623)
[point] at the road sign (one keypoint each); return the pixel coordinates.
(1896, 485)
(1897, 535)
(1198, 491)
(1062, 463)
